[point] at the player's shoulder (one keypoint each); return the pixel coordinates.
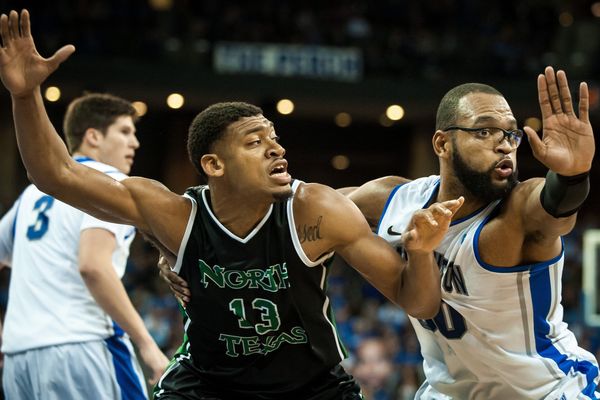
(386, 182)
(315, 192)
(523, 189)
(319, 199)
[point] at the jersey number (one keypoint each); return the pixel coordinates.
(39, 228)
(268, 315)
(449, 321)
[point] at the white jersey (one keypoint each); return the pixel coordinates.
(499, 333)
(49, 303)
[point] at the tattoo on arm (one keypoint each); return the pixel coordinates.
(310, 233)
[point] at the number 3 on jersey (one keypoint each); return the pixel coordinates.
(39, 228)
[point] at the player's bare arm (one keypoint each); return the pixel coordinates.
(328, 221)
(96, 247)
(372, 196)
(48, 162)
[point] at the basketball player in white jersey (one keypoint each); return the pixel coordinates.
(63, 331)
(499, 333)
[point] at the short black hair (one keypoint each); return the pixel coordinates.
(93, 110)
(210, 125)
(447, 111)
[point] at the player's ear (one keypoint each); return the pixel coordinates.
(92, 137)
(212, 165)
(441, 144)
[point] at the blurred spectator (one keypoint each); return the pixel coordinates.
(374, 370)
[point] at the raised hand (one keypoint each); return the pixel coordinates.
(567, 144)
(427, 227)
(22, 69)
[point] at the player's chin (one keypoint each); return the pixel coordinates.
(282, 193)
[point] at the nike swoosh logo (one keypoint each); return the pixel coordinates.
(392, 232)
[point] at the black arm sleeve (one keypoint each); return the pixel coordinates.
(562, 196)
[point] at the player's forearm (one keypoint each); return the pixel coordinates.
(108, 291)
(43, 152)
(419, 292)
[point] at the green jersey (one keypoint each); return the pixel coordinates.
(259, 318)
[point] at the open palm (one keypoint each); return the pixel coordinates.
(567, 144)
(22, 69)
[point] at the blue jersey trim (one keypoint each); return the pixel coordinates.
(127, 378)
(387, 203)
(541, 295)
(81, 159)
(474, 213)
(14, 226)
(516, 268)
(117, 329)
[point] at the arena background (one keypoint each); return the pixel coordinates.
(342, 64)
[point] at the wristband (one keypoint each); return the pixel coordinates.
(562, 196)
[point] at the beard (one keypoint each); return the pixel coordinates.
(480, 184)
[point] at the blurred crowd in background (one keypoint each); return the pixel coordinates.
(427, 39)
(431, 39)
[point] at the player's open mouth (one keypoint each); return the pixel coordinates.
(504, 168)
(278, 172)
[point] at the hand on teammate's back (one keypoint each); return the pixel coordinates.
(178, 286)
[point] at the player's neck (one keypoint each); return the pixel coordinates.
(238, 212)
(451, 188)
(85, 153)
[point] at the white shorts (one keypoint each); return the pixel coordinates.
(103, 369)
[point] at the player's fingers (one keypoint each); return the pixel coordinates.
(440, 210)
(537, 145)
(179, 293)
(565, 92)
(543, 96)
(424, 218)
(13, 24)
(454, 205)
(61, 55)
(584, 102)
(553, 90)
(4, 30)
(25, 24)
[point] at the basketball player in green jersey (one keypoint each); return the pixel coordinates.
(253, 244)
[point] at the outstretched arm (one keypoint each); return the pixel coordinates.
(415, 285)
(143, 203)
